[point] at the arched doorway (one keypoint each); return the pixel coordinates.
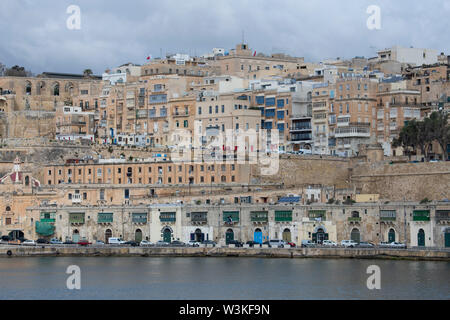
(76, 236)
(257, 236)
(421, 238)
(447, 238)
(138, 235)
(287, 235)
(16, 234)
(108, 234)
(229, 236)
(391, 236)
(199, 236)
(355, 236)
(167, 235)
(320, 236)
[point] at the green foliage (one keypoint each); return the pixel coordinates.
(330, 201)
(426, 200)
(421, 134)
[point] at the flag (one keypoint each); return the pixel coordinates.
(254, 54)
(149, 57)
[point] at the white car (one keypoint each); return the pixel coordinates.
(397, 245)
(349, 243)
(277, 244)
(329, 243)
(29, 243)
(145, 243)
(193, 243)
(116, 241)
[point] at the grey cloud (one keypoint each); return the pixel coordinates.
(34, 33)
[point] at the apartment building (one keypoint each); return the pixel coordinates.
(351, 114)
(321, 99)
(226, 113)
(121, 172)
(397, 103)
(74, 124)
(245, 63)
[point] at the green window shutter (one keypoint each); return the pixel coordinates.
(139, 217)
(421, 215)
(315, 214)
(167, 216)
(283, 216)
(76, 217)
(259, 216)
(233, 214)
(105, 217)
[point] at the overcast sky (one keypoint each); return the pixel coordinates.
(34, 33)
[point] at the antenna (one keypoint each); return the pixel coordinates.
(243, 36)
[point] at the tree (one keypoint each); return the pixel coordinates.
(87, 73)
(440, 131)
(17, 71)
(421, 134)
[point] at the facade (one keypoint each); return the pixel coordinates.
(73, 124)
(415, 225)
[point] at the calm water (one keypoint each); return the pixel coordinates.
(221, 278)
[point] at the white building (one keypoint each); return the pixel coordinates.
(413, 56)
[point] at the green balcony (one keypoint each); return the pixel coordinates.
(139, 218)
(354, 219)
(259, 216)
(317, 214)
(105, 218)
(76, 218)
(421, 215)
(234, 215)
(167, 216)
(47, 217)
(283, 216)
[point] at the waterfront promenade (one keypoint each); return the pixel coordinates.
(128, 251)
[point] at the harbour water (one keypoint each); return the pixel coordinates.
(221, 278)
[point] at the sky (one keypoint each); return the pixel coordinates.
(34, 34)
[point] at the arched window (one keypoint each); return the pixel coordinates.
(8, 208)
(56, 89)
(27, 180)
(40, 87)
(355, 214)
(28, 88)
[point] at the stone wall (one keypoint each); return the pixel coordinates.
(409, 181)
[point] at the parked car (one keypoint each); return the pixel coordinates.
(267, 243)
(305, 151)
(253, 244)
(116, 241)
(42, 241)
(307, 243)
(68, 242)
(99, 243)
(329, 243)
(193, 243)
(145, 243)
(177, 243)
(161, 243)
(210, 242)
(132, 243)
(5, 238)
(84, 243)
(364, 244)
(291, 244)
(349, 243)
(236, 243)
(397, 245)
(29, 243)
(277, 243)
(55, 241)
